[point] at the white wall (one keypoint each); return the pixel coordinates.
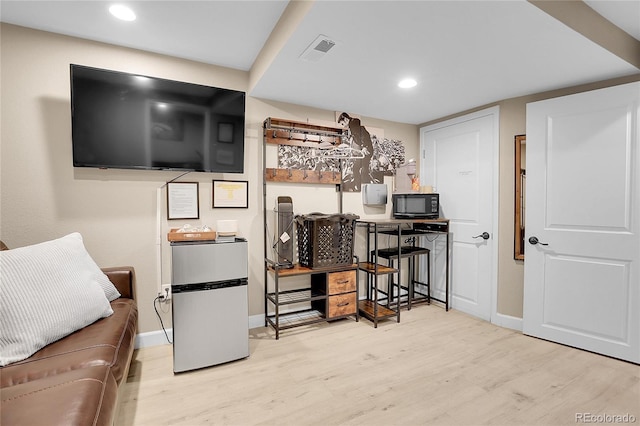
(43, 197)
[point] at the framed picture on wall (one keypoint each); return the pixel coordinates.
(182, 200)
(231, 194)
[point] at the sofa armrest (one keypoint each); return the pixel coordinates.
(124, 278)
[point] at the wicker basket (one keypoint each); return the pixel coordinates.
(325, 240)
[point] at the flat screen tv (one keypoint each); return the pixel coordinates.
(129, 121)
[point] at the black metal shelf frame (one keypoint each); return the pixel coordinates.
(304, 315)
(289, 297)
(402, 228)
(279, 131)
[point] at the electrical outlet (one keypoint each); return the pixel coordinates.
(166, 292)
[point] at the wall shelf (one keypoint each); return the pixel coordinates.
(272, 123)
(302, 176)
(285, 137)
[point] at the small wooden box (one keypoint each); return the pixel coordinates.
(341, 282)
(174, 235)
(342, 304)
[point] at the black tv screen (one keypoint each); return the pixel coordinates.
(128, 121)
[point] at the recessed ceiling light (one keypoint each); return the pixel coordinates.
(122, 12)
(407, 83)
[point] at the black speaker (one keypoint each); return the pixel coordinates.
(284, 211)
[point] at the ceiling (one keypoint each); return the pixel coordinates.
(464, 54)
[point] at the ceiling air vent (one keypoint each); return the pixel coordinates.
(317, 49)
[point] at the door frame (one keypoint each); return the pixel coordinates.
(494, 112)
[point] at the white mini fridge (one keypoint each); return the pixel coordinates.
(210, 306)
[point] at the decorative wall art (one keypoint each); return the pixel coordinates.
(305, 158)
(230, 194)
(366, 156)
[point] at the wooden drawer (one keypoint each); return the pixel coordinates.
(341, 282)
(342, 304)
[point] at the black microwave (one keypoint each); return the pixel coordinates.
(416, 206)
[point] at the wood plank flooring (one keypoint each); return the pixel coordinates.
(434, 367)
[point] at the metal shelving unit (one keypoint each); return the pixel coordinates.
(321, 300)
(377, 308)
(318, 295)
(371, 307)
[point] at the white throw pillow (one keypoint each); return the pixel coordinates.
(47, 291)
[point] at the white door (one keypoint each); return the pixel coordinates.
(460, 160)
(582, 279)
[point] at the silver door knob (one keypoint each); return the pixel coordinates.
(484, 235)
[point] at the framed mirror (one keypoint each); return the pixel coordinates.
(520, 181)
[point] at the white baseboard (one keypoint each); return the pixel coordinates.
(156, 338)
(153, 338)
(256, 321)
(507, 321)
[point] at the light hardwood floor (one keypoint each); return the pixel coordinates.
(434, 367)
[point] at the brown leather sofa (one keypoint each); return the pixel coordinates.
(76, 380)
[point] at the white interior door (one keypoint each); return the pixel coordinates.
(460, 160)
(582, 287)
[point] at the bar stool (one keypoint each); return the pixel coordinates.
(411, 253)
